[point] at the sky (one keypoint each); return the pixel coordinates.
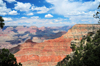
(48, 12)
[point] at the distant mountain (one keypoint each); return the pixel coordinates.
(63, 28)
(14, 35)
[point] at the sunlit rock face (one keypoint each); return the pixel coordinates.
(45, 53)
(79, 30)
(49, 52)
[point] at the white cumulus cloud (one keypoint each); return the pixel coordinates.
(3, 8)
(22, 6)
(30, 14)
(75, 11)
(66, 8)
(40, 9)
(48, 16)
(7, 18)
(13, 12)
(35, 17)
(10, 1)
(23, 17)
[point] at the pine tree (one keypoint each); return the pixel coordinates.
(8, 59)
(97, 15)
(1, 22)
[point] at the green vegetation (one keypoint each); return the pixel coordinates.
(8, 59)
(85, 55)
(97, 15)
(88, 38)
(1, 22)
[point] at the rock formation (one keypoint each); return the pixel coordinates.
(15, 35)
(50, 52)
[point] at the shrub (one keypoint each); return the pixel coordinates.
(8, 59)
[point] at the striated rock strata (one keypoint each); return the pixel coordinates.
(50, 52)
(16, 35)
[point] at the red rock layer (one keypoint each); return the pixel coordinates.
(52, 51)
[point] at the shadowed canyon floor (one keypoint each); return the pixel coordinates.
(49, 52)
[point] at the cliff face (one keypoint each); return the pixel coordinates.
(50, 52)
(84, 52)
(79, 30)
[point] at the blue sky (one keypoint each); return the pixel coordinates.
(48, 12)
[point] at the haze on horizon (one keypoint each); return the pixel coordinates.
(48, 12)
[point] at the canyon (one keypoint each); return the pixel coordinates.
(16, 35)
(51, 51)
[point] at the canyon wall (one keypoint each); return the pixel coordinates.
(15, 35)
(49, 52)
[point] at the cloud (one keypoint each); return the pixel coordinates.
(35, 17)
(13, 12)
(23, 17)
(66, 8)
(10, 1)
(75, 11)
(22, 6)
(37, 21)
(60, 23)
(7, 18)
(40, 9)
(30, 14)
(3, 9)
(48, 16)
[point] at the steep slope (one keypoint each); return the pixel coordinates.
(29, 43)
(50, 52)
(85, 53)
(79, 30)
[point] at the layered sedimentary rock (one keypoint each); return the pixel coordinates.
(79, 30)
(50, 52)
(15, 35)
(47, 53)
